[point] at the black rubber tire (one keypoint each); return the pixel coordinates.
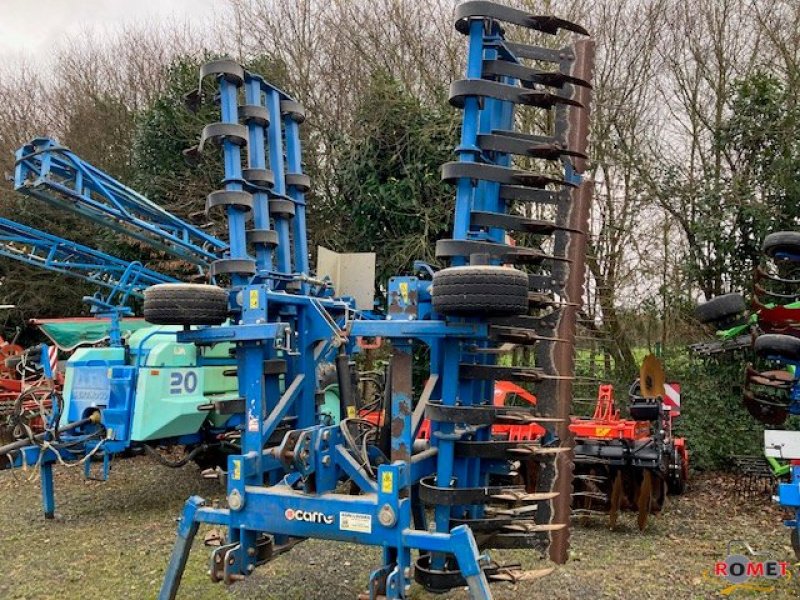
(720, 308)
(185, 304)
(795, 539)
(777, 344)
(781, 241)
(480, 290)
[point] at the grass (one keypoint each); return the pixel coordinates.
(112, 540)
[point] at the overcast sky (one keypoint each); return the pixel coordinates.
(27, 26)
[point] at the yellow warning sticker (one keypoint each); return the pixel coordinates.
(253, 298)
(387, 482)
(237, 469)
(351, 412)
(404, 291)
(602, 431)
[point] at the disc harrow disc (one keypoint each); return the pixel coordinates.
(615, 502)
(644, 501)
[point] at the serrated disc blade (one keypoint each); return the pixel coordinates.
(616, 500)
(644, 500)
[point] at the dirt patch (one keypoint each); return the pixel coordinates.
(112, 540)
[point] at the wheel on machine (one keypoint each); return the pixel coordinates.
(480, 290)
(185, 304)
(796, 542)
(777, 344)
(781, 241)
(720, 309)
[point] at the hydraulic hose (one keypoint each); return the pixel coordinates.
(19, 444)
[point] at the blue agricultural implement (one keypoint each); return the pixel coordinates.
(458, 493)
(235, 365)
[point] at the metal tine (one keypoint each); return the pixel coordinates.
(550, 451)
(544, 143)
(529, 335)
(225, 68)
(528, 418)
(550, 24)
(522, 450)
(512, 496)
(554, 151)
(499, 141)
(511, 512)
(592, 495)
(524, 527)
(529, 77)
(462, 89)
(761, 291)
(591, 478)
(498, 12)
(591, 460)
(588, 512)
(548, 100)
(762, 274)
(453, 171)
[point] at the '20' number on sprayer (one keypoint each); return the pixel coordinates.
(182, 382)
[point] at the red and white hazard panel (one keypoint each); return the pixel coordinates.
(672, 398)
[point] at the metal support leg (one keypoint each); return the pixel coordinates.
(48, 492)
(460, 543)
(187, 529)
(469, 562)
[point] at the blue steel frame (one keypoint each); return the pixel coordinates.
(124, 280)
(282, 136)
(268, 487)
(52, 173)
(789, 496)
(264, 491)
(48, 171)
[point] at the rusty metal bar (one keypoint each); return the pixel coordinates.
(572, 125)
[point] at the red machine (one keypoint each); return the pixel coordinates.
(630, 463)
(26, 392)
(606, 423)
(505, 394)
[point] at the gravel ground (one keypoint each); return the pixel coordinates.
(112, 540)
